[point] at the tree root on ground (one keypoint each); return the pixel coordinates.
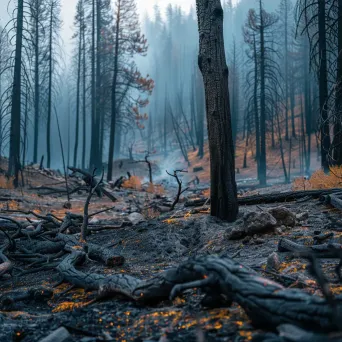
(267, 303)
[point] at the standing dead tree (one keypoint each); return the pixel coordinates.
(213, 66)
(179, 182)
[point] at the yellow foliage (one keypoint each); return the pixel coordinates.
(320, 180)
(133, 183)
(6, 182)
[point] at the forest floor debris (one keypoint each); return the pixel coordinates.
(155, 241)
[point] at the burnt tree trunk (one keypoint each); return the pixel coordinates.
(78, 96)
(49, 109)
(262, 157)
(213, 66)
(114, 99)
(14, 153)
(84, 110)
(323, 85)
(337, 152)
(256, 108)
(36, 82)
(94, 142)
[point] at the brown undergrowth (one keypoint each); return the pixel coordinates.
(320, 180)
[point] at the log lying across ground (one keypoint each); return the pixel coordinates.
(326, 250)
(267, 303)
(271, 198)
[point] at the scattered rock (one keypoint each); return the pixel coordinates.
(217, 249)
(302, 216)
(246, 240)
(273, 262)
(67, 205)
(258, 222)
(278, 231)
(283, 216)
(259, 241)
(136, 218)
(236, 233)
(59, 335)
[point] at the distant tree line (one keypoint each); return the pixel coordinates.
(122, 88)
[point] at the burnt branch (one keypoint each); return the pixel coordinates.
(175, 175)
(93, 188)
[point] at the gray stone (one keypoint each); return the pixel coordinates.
(278, 231)
(136, 218)
(236, 233)
(258, 222)
(59, 335)
(302, 216)
(273, 262)
(283, 216)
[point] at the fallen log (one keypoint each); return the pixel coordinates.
(7, 300)
(271, 198)
(106, 255)
(326, 250)
(267, 303)
(333, 200)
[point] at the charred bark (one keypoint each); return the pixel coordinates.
(213, 66)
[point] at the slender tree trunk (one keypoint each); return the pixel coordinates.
(48, 125)
(25, 128)
(293, 104)
(165, 126)
(69, 144)
(282, 150)
(302, 119)
(337, 143)
(262, 102)
(77, 123)
(36, 84)
(213, 66)
(307, 97)
(256, 109)
(84, 95)
(272, 126)
(286, 73)
(94, 142)
(114, 104)
(323, 86)
(14, 155)
(99, 109)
